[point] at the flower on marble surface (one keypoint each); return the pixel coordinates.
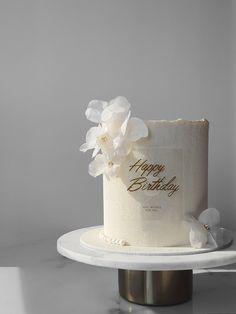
(205, 229)
(113, 136)
(198, 236)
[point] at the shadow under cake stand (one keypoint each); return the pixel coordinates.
(147, 276)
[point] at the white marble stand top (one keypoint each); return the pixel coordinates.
(69, 245)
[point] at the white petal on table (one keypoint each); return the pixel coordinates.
(210, 216)
(198, 236)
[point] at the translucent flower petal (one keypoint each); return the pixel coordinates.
(97, 166)
(136, 129)
(125, 123)
(114, 124)
(95, 151)
(108, 151)
(212, 239)
(116, 106)
(198, 236)
(125, 149)
(84, 147)
(210, 217)
(95, 109)
(119, 104)
(92, 135)
(122, 146)
(105, 143)
(216, 237)
(117, 141)
(91, 139)
(114, 171)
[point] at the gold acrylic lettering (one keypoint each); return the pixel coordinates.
(159, 184)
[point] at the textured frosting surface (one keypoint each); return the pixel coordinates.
(164, 178)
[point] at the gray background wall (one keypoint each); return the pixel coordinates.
(171, 59)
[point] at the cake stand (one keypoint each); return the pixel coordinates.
(148, 278)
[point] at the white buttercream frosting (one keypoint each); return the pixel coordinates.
(146, 207)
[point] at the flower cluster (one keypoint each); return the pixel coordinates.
(114, 135)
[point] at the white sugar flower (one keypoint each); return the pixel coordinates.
(205, 229)
(95, 109)
(115, 114)
(210, 217)
(112, 113)
(198, 236)
(114, 136)
(98, 139)
(103, 165)
(132, 130)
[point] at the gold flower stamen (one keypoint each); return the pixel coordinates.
(110, 163)
(206, 226)
(104, 139)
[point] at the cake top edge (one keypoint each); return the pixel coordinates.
(178, 121)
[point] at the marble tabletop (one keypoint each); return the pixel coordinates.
(35, 279)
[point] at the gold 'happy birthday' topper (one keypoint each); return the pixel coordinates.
(158, 184)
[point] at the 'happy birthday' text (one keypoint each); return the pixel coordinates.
(160, 183)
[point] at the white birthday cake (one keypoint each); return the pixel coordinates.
(155, 177)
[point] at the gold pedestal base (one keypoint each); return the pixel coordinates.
(155, 287)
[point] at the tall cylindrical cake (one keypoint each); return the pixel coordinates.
(164, 178)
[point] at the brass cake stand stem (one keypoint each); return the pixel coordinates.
(167, 287)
